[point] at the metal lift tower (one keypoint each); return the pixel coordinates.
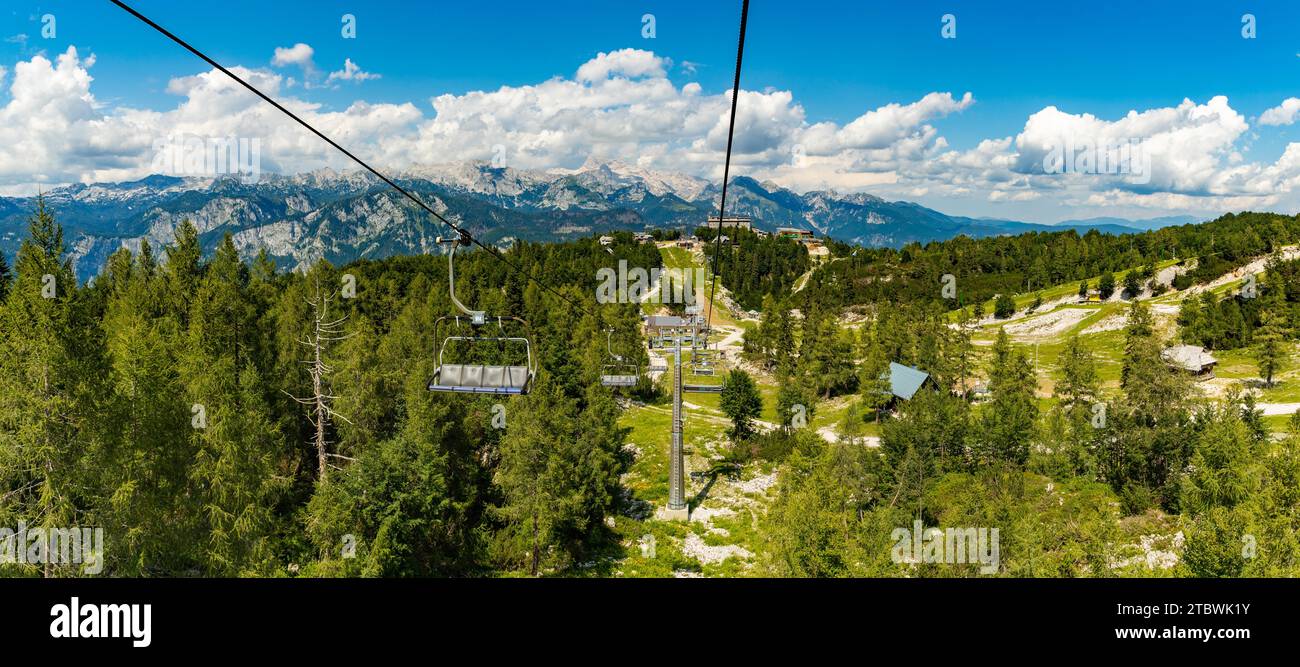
(677, 507)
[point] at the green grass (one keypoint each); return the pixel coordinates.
(832, 413)
(704, 438)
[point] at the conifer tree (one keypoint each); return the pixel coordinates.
(1009, 419)
(1077, 384)
(148, 520)
(5, 277)
(1146, 436)
(323, 330)
(47, 386)
(560, 459)
(366, 389)
(741, 402)
(237, 439)
(1270, 348)
(183, 269)
(873, 378)
(1220, 473)
(1106, 285)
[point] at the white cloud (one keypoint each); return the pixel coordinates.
(53, 130)
(887, 125)
(1194, 152)
(622, 106)
(628, 62)
(1186, 146)
(351, 72)
(299, 54)
(619, 105)
(1283, 114)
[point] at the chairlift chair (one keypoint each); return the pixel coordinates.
(702, 365)
(702, 358)
(498, 379)
(702, 362)
(616, 373)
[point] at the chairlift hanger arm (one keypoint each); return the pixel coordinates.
(476, 317)
(609, 342)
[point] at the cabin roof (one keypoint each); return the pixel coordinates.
(904, 381)
(1189, 357)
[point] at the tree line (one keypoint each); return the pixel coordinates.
(1033, 261)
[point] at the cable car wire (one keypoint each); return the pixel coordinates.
(726, 167)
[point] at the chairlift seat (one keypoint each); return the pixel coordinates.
(478, 379)
(618, 380)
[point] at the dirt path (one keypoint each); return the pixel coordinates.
(656, 359)
(1048, 325)
(1272, 409)
(829, 435)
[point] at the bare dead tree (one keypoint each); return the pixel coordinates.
(324, 332)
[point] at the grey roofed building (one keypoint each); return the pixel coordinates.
(665, 328)
(905, 381)
(738, 222)
(664, 322)
(1191, 358)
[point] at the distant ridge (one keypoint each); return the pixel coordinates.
(344, 215)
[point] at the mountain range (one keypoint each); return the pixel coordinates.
(346, 215)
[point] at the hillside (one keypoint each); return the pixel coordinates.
(803, 466)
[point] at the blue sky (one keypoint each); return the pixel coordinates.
(838, 61)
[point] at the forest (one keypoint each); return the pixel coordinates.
(989, 266)
(219, 417)
(171, 403)
(1070, 476)
(752, 267)
(1066, 488)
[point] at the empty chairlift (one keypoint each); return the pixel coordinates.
(474, 330)
(702, 362)
(618, 372)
